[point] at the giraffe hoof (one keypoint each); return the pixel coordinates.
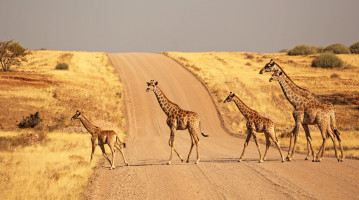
(289, 159)
(126, 164)
(306, 158)
(187, 161)
(169, 163)
(196, 162)
(260, 161)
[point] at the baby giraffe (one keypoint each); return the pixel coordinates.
(101, 137)
(255, 123)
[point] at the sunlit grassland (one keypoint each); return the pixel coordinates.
(57, 168)
(89, 85)
(238, 72)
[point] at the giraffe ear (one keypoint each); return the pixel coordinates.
(156, 83)
(148, 84)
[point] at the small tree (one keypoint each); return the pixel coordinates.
(11, 53)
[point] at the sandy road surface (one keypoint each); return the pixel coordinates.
(218, 175)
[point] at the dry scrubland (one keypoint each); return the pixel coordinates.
(224, 72)
(57, 165)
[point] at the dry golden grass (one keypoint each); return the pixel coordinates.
(56, 169)
(225, 72)
(59, 167)
(88, 85)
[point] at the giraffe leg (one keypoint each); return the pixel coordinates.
(249, 134)
(196, 141)
(259, 151)
(334, 144)
(104, 153)
(337, 134)
(122, 153)
(298, 116)
(267, 147)
(93, 151)
(276, 142)
(322, 149)
(290, 146)
(113, 156)
(190, 150)
(172, 145)
(309, 142)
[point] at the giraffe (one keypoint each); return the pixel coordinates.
(177, 119)
(306, 113)
(255, 123)
(101, 137)
(274, 67)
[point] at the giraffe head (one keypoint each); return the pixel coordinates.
(269, 67)
(77, 115)
(229, 98)
(151, 85)
(275, 76)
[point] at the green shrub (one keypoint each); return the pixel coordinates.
(327, 60)
(319, 49)
(302, 50)
(354, 48)
(62, 66)
(30, 121)
(337, 49)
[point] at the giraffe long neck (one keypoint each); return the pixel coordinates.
(245, 110)
(89, 127)
(293, 97)
(295, 87)
(167, 106)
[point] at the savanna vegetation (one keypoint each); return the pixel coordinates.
(11, 53)
(49, 158)
(225, 72)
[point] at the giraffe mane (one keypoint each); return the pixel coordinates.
(166, 97)
(289, 77)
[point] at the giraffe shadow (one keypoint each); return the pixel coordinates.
(235, 160)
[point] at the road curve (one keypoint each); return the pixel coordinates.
(218, 175)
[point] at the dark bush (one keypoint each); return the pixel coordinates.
(62, 66)
(337, 49)
(327, 60)
(354, 48)
(302, 50)
(30, 121)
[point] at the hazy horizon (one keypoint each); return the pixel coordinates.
(186, 26)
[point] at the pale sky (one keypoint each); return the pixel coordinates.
(178, 25)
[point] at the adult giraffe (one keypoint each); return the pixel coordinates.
(177, 119)
(308, 112)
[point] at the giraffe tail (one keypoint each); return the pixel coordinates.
(334, 126)
(119, 142)
(204, 135)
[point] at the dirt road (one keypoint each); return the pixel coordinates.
(218, 175)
